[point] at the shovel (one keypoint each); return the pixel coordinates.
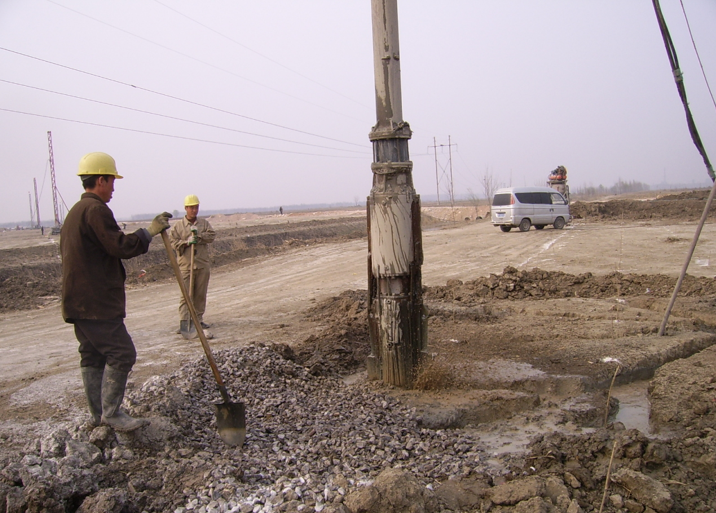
(230, 417)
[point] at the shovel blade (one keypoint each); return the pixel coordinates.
(188, 330)
(231, 423)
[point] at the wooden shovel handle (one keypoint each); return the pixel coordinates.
(191, 271)
(195, 318)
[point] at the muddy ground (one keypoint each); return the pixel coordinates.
(527, 332)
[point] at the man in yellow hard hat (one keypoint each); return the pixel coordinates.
(193, 234)
(93, 299)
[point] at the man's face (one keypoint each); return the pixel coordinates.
(192, 212)
(105, 188)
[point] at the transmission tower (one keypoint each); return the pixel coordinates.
(450, 188)
(58, 223)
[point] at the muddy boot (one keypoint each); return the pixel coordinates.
(92, 379)
(187, 329)
(113, 386)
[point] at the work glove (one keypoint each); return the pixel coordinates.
(193, 239)
(159, 224)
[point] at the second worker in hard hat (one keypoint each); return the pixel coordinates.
(193, 233)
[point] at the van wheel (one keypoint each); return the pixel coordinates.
(559, 223)
(505, 228)
(539, 226)
(525, 225)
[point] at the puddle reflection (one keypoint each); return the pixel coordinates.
(633, 406)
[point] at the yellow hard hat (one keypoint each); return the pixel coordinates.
(98, 163)
(191, 200)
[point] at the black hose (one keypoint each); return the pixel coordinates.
(679, 79)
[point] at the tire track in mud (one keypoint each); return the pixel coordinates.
(546, 247)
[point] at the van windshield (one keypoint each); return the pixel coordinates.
(558, 199)
(501, 200)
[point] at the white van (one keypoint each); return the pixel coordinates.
(526, 206)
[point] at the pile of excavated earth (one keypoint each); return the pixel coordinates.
(320, 437)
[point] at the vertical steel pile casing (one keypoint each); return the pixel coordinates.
(396, 317)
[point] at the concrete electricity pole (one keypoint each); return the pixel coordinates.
(396, 317)
(37, 205)
(58, 222)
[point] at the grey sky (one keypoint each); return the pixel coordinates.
(520, 86)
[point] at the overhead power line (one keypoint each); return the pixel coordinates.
(317, 105)
(172, 136)
(696, 50)
(175, 118)
(190, 102)
(260, 54)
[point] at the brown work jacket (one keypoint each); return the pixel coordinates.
(180, 232)
(92, 248)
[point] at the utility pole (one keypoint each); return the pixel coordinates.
(58, 223)
(37, 204)
(32, 216)
(437, 178)
(396, 317)
(452, 182)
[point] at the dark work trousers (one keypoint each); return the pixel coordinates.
(105, 342)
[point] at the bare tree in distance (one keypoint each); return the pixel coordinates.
(474, 199)
(489, 184)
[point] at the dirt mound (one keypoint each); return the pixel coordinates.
(29, 286)
(342, 343)
(688, 206)
(236, 244)
(479, 310)
(538, 284)
(683, 394)
(659, 475)
(31, 277)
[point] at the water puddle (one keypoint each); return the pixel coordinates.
(633, 406)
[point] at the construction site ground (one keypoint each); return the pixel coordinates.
(527, 332)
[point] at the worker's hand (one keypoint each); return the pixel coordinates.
(159, 223)
(193, 238)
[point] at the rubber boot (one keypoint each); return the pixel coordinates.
(92, 379)
(113, 385)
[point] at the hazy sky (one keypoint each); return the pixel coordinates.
(261, 104)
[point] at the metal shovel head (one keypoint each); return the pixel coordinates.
(188, 330)
(231, 423)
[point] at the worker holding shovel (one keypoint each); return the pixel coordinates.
(93, 299)
(190, 238)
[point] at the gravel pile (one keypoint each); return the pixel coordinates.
(309, 438)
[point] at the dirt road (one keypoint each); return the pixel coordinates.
(264, 299)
